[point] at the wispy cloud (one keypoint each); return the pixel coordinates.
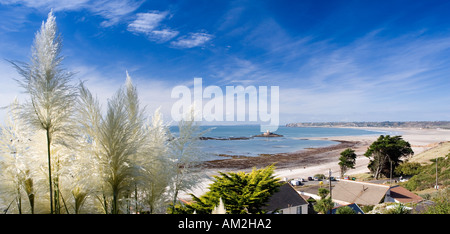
(235, 70)
(16, 19)
(375, 77)
(380, 76)
(146, 22)
(162, 35)
(113, 11)
(150, 25)
(192, 40)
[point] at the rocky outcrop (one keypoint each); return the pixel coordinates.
(268, 134)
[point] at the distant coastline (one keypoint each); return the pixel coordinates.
(384, 124)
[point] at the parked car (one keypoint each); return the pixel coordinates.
(310, 178)
(295, 182)
(402, 179)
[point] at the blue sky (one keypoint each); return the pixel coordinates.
(333, 60)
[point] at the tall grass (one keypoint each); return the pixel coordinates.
(60, 148)
(52, 97)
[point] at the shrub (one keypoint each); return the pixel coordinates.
(320, 176)
(427, 177)
(345, 210)
(441, 203)
(408, 169)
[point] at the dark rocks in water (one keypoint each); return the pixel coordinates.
(207, 138)
(239, 138)
(224, 139)
(266, 134)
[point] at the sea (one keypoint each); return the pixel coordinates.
(293, 139)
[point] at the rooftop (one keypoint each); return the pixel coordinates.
(403, 195)
(284, 198)
(362, 193)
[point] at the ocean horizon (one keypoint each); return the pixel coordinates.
(293, 139)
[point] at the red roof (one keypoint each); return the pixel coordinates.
(403, 195)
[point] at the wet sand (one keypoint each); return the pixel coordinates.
(302, 158)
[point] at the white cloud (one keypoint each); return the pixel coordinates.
(112, 10)
(162, 35)
(150, 25)
(146, 22)
(192, 40)
(117, 11)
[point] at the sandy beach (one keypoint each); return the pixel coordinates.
(420, 140)
(309, 162)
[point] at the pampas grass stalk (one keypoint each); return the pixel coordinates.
(48, 85)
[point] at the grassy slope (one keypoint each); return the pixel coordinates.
(440, 150)
(426, 179)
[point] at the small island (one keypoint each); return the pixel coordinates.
(268, 134)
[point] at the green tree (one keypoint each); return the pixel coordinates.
(325, 203)
(345, 210)
(387, 151)
(241, 192)
(347, 160)
(408, 168)
(323, 192)
(320, 176)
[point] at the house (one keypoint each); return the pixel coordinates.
(287, 201)
(353, 206)
(362, 193)
(346, 192)
(401, 195)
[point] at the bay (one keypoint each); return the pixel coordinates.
(293, 139)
